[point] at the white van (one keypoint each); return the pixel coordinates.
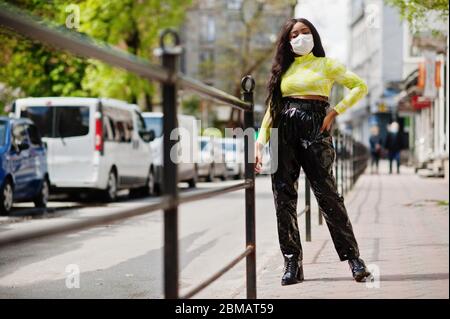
(93, 144)
(234, 156)
(212, 159)
(187, 147)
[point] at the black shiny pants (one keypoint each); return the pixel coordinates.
(302, 145)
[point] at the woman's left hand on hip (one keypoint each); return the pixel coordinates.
(328, 121)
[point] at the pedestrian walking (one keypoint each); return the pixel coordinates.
(376, 143)
(394, 145)
(300, 83)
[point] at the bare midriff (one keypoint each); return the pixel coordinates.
(313, 97)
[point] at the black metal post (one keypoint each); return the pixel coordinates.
(248, 84)
(336, 144)
(341, 147)
(345, 170)
(350, 161)
(308, 209)
(353, 162)
(170, 185)
(343, 159)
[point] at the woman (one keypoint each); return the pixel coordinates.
(375, 148)
(394, 145)
(298, 89)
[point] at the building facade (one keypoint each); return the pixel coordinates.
(376, 54)
(214, 37)
(424, 98)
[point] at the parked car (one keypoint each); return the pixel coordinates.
(23, 164)
(233, 149)
(212, 159)
(93, 144)
(187, 147)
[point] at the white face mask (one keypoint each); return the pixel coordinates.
(302, 44)
(394, 128)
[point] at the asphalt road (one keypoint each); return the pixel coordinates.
(125, 259)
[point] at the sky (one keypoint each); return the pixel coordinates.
(331, 19)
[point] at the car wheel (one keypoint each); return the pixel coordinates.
(241, 173)
(158, 189)
(193, 181)
(149, 189)
(238, 175)
(110, 193)
(135, 193)
(42, 198)
(210, 176)
(224, 175)
(6, 197)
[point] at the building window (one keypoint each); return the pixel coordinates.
(206, 4)
(234, 4)
(208, 29)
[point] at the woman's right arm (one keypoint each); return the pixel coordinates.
(264, 131)
(263, 137)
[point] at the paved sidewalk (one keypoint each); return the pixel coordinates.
(402, 226)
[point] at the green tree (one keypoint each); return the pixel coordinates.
(132, 25)
(416, 12)
(33, 68)
(191, 106)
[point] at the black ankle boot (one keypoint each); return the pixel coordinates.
(359, 270)
(293, 270)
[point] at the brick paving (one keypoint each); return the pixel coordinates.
(402, 226)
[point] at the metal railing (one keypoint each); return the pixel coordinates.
(351, 159)
(171, 79)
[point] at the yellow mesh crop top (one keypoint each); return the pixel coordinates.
(311, 75)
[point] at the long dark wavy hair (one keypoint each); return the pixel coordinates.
(283, 59)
